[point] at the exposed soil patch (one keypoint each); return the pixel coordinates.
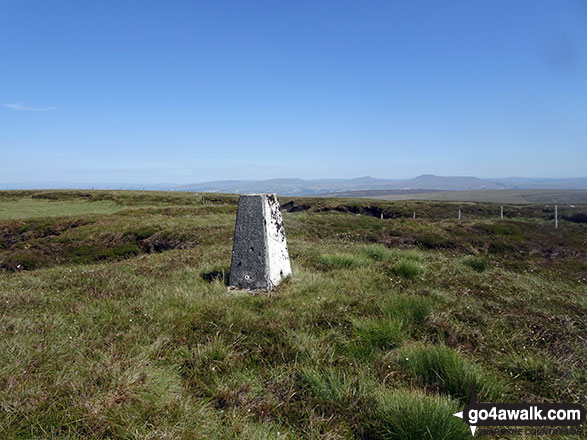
(292, 207)
(579, 217)
(164, 241)
(12, 232)
(432, 210)
(28, 245)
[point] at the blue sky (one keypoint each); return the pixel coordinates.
(186, 91)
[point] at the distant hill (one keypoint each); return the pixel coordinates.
(393, 194)
(542, 183)
(291, 186)
(301, 187)
(430, 181)
(425, 182)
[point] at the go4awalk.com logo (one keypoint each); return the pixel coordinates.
(533, 415)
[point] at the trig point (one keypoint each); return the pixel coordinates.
(259, 252)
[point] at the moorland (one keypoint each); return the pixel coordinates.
(117, 322)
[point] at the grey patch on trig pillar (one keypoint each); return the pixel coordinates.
(260, 259)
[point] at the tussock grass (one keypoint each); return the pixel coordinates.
(411, 255)
(408, 269)
(317, 348)
(478, 264)
(378, 252)
(448, 371)
(407, 415)
(343, 261)
(336, 388)
(374, 333)
(411, 310)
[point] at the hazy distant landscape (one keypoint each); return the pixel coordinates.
(424, 182)
(424, 187)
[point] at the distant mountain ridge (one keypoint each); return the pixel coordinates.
(432, 182)
(456, 183)
(301, 187)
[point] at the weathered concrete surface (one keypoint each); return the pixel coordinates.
(260, 259)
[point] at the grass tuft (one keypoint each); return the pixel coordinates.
(478, 264)
(331, 387)
(343, 261)
(448, 371)
(408, 415)
(410, 310)
(376, 333)
(378, 252)
(408, 269)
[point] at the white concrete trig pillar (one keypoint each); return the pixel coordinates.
(414, 215)
(459, 214)
(260, 259)
(555, 217)
(501, 213)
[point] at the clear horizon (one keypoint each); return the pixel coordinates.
(149, 92)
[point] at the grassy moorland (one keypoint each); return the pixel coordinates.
(520, 196)
(508, 196)
(117, 322)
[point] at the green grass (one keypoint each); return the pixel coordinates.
(406, 415)
(120, 324)
(379, 333)
(332, 388)
(342, 261)
(408, 269)
(23, 208)
(478, 264)
(449, 372)
(411, 310)
(378, 252)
